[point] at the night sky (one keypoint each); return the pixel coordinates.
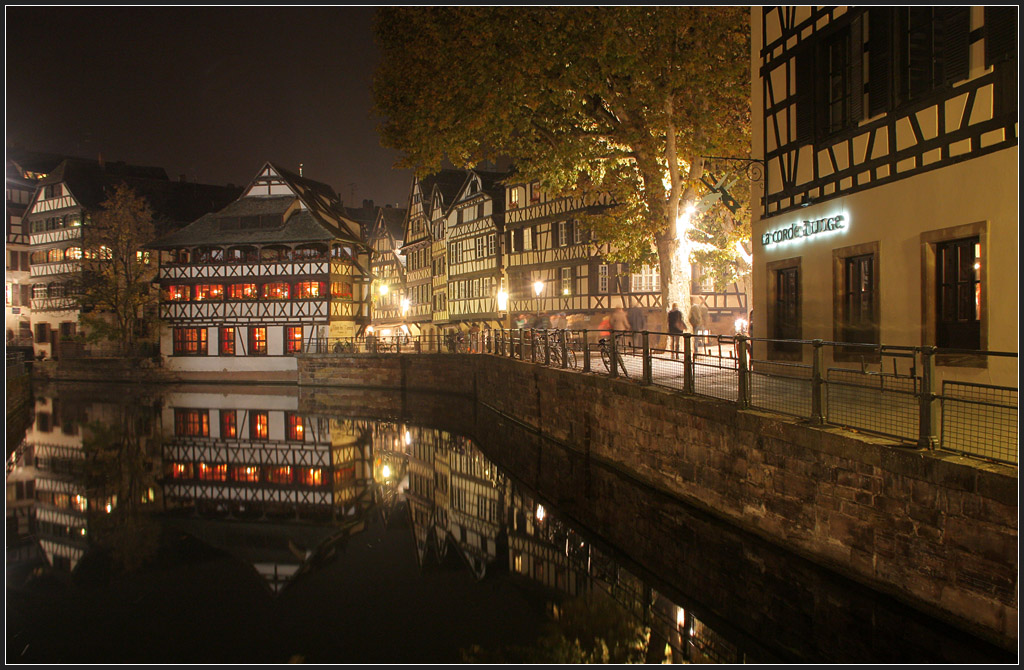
(210, 93)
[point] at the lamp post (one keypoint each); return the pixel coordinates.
(538, 288)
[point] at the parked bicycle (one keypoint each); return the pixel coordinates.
(555, 346)
(606, 357)
(456, 343)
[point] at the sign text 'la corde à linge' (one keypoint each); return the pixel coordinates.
(803, 229)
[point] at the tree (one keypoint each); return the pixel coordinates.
(625, 100)
(115, 286)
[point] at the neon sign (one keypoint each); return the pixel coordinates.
(803, 229)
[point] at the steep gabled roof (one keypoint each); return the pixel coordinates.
(270, 219)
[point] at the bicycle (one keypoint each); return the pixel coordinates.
(606, 357)
(555, 346)
(456, 343)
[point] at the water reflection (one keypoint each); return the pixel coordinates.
(167, 491)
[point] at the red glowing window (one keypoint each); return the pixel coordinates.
(245, 473)
(209, 292)
(293, 339)
(259, 426)
(257, 341)
(227, 341)
(180, 470)
(242, 291)
(189, 341)
(310, 289)
(279, 474)
(191, 422)
(311, 476)
(176, 293)
(228, 423)
(213, 473)
(296, 430)
(277, 291)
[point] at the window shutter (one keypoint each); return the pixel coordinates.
(804, 98)
(879, 60)
(919, 51)
(857, 69)
(955, 24)
(1000, 34)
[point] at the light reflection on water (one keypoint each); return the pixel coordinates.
(106, 492)
(260, 525)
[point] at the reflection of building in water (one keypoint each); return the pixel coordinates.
(47, 492)
(253, 457)
(456, 497)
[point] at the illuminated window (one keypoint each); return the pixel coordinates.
(213, 473)
(309, 289)
(259, 426)
(311, 476)
(242, 292)
(189, 341)
(209, 292)
(258, 341)
(54, 255)
(276, 291)
(602, 278)
(958, 281)
(73, 253)
(142, 257)
(294, 426)
(176, 293)
(293, 339)
(191, 422)
(648, 280)
(277, 474)
(228, 423)
(566, 281)
(341, 289)
(227, 341)
(245, 473)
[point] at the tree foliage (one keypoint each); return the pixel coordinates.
(115, 287)
(624, 100)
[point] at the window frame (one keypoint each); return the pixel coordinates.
(255, 350)
(840, 313)
(779, 351)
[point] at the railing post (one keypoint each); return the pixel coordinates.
(928, 420)
(586, 351)
(533, 346)
(648, 361)
(614, 367)
(744, 369)
(817, 387)
(416, 345)
(547, 347)
(688, 362)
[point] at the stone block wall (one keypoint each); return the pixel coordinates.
(933, 529)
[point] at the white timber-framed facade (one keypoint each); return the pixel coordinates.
(387, 265)
(274, 273)
(889, 137)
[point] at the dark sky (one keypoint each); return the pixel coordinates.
(211, 93)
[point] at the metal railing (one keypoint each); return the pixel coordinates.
(884, 390)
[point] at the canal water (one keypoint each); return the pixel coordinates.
(233, 524)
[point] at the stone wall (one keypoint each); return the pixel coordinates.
(936, 530)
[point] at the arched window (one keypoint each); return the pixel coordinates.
(54, 255)
(37, 257)
(205, 255)
(310, 252)
(73, 253)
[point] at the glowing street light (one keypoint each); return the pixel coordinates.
(538, 287)
(384, 288)
(502, 300)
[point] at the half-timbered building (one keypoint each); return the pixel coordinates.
(387, 265)
(425, 251)
(556, 266)
(889, 213)
(475, 222)
(266, 277)
(59, 220)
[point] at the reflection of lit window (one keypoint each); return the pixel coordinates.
(227, 341)
(257, 341)
(259, 426)
(80, 503)
(295, 427)
(309, 289)
(242, 291)
(245, 473)
(228, 423)
(181, 471)
(209, 292)
(279, 474)
(73, 253)
(192, 422)
(293, 339)
(276, 291)
(311, 476)
(213, 473)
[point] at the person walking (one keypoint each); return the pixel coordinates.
(676, 328)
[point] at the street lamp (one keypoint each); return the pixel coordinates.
(538, 288)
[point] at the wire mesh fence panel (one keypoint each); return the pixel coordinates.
(875, 402)
(667, 371)
(781, 387)
(980, 420)
(716, 376)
